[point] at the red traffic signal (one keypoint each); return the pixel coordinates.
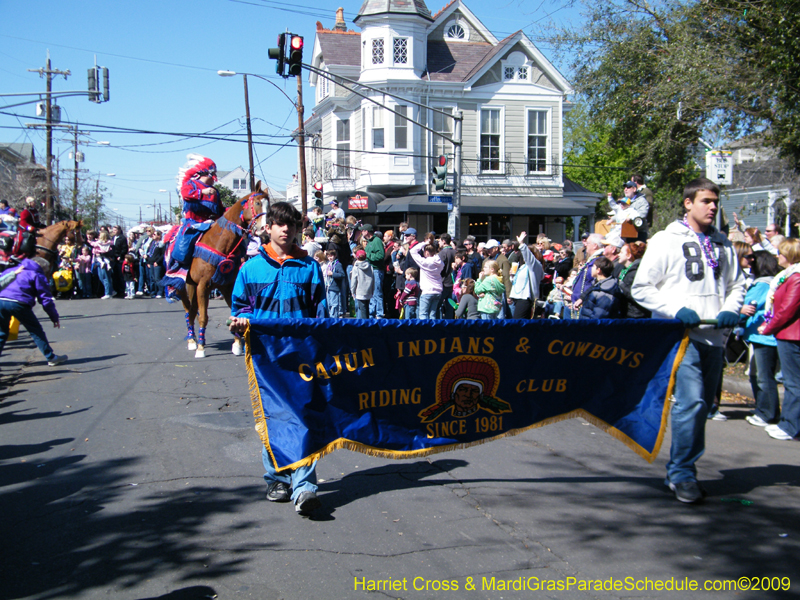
(295, 55)
(442, 161)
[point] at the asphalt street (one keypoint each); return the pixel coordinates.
(133, 471)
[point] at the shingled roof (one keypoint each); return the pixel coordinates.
(403, 7)
(340, 48)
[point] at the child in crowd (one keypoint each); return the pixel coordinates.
(333, 274)
(602, 300)
(362, 284)
(129, 271)
(468, 305)
(556, 300)
(490, 290)
(84, 269)
(409, 297)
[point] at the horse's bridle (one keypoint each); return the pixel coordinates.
(254, 218)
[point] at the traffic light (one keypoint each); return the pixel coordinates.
(93, 92)
(318, 194)
(105, 84)
(279, 54)
(440, 174)
(295, 55)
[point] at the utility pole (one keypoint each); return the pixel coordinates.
(48, 73)
(249, 136)
(97, 204)
(75, 179)
(301, 145)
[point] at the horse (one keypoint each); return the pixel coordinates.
(224, 243)
(48, 239)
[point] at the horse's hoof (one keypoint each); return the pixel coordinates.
(192, 345)
(237, 349)
(201, 353)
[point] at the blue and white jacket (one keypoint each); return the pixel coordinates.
(268, 288)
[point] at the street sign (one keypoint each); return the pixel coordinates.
(451, 224)
(719, 167)
(440, 199)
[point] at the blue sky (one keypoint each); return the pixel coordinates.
(163, 57)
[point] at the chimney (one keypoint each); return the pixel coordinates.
(340, 24)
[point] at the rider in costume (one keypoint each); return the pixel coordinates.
(200, 198)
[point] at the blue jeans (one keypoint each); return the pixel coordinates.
(142, 276)
(28, 320)
(86, 284)
(334, 304)
(695, 390)
(376, 302)
(427, 306)
(488, 316)
(410, 311)
(105, 279)
(789, 351)
(762, 380)
(300, 480)
(362, 309)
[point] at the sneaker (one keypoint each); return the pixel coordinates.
(779, 434)
(718, 416)
(277, 491)
(57, 360)
(756, 420)
(307, 502)
(140, 293)
(106, 297)
(158, 295)
(688, 492)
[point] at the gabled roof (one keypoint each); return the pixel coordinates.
(22, 151)
(454, 61)
(402, 7)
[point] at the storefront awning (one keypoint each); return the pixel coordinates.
(482, 205)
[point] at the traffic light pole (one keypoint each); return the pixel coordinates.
(455, 215)
(301, 145)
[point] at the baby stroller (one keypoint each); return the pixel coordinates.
(64, 282)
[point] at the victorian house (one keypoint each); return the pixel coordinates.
(378, 164)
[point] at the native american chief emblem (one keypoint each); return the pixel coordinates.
(465, 385)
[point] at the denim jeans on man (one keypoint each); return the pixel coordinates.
(303, 479)
(26, 318)
(410, 311)
(789, 351)
(762, 380)
(695, 390)
(362, 309)
(427, 306)
(376, 302)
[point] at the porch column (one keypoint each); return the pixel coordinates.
(576, 229)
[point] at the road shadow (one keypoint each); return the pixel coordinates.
(70, 525)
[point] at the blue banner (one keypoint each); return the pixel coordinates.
(405, 389)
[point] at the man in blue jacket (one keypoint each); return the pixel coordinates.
(281, 282)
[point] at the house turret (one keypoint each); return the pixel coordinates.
(393, 39)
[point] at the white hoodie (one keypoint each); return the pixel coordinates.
(663, 283)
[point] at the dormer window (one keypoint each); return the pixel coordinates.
(377, 51)
(400, 51)
(516, 68)
(456, 31)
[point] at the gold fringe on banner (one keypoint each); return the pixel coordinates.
(343, 443)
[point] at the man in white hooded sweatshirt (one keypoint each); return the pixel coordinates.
(690, 272)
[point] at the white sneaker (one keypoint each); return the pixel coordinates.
(140, 293)
(106, 297)
(756, 420)
(779, 434)
(57, 360)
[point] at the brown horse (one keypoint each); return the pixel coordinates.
(48, 239)
(228, 239)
